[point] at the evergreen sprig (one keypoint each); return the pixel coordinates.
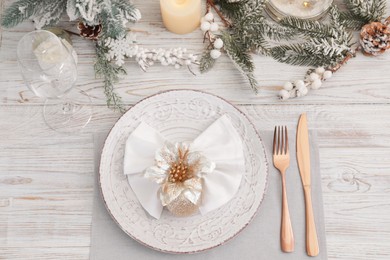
(110, 74)
(327, 44)
(249, 31)
(242, 59)
(361, 12)
(367, 10)
(206, 62)
(307, 28)
(21, 10)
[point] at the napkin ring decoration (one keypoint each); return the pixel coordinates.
(186, 177)
(179, 172)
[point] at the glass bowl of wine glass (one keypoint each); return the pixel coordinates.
(49, 69)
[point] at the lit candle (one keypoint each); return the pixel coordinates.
(304, 9)
(181, 16)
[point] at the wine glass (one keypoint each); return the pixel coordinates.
(49, 70)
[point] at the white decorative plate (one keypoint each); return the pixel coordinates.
(181, 115)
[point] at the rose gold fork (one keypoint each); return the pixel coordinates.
(281, 159)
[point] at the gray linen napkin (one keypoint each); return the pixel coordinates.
(259, 240)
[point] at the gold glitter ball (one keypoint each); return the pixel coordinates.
(182, 207)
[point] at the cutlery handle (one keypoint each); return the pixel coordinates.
(286, 232)
(312, 247)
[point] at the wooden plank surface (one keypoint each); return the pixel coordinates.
(46, 178)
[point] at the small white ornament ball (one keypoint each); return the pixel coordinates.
(209, 17)
(320, 70)
(177, 66)
(215, 54)
(303, 91)
(218, 43)
(313, 76)
(283, 94)
(288, 86)
(327, 74)
(214, 27)
(316, 84)
(299, 84)
(187, 62)
(205, 26)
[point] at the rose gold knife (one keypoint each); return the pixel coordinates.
(303, 158)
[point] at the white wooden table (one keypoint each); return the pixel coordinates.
(46, 178)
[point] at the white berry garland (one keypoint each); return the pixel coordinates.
(123, 47)
(299, 88)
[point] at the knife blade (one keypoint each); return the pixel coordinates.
(303, 159)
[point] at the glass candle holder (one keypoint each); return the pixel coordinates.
(304, 9)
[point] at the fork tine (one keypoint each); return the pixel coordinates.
(279, 140)
(274, 151)
(283, 146)
(287, 150)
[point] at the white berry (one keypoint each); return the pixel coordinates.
(209, 17)
(283, 94)
(177, 66)
(316, 84)
(188, 62)
(313, 76)
(218, 43)
(327, 74)
(288, 86)
(303, 91)
(214, 27)
(215, 54)
(320, 70)
(299, 84)
(205, 26)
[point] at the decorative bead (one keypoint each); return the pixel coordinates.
(288, 86)
(327, 74)
(209, 17)
(215, 54)
(299, 84)
(218, 43)
(284, 94)
(214, 27)
(313, 76)
(316, 84)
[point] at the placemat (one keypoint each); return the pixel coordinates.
(259, 240)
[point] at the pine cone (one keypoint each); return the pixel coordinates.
(375, 37)
(89, 32)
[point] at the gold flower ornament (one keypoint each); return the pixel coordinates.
(179, 171)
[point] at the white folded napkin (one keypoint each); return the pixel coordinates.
(220, 143)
